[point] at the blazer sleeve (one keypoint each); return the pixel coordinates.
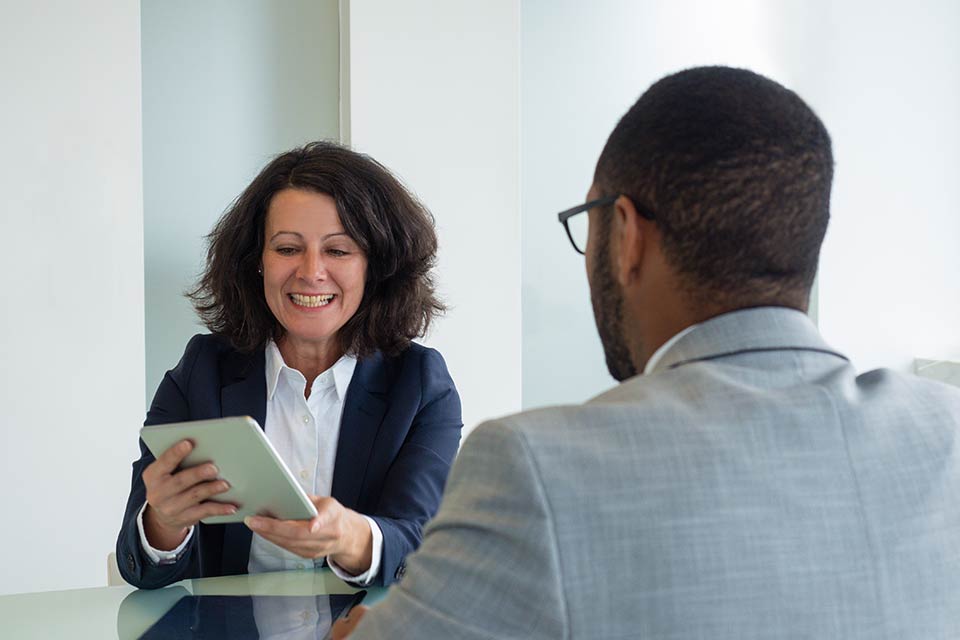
(415, 481)
(169, 405)
(489, 566)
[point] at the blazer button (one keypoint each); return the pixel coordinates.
(400, 571)
(131, 565)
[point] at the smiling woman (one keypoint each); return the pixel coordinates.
(313, 275)
(374, 212)
(317, 281)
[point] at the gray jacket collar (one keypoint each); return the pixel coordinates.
(745, 331)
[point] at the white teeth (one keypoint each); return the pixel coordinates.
(311, 301)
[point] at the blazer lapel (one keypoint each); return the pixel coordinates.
(363, 411)
(244, 390)
(244, 393)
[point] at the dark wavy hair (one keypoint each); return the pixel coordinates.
(391, 226)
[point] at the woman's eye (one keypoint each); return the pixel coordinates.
(286, 251)
(337, 253)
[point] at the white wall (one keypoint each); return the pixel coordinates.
(583, 66)
(71, 330)
(886, 83)
(434, 96)
(889, 92)
(227, 84)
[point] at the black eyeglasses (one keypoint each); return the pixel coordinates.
(577, 227)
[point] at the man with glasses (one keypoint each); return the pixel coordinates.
(749, 484)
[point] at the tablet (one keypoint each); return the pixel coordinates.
(260, 482)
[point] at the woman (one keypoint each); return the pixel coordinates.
(317, 279)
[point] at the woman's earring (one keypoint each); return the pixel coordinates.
(260, 270)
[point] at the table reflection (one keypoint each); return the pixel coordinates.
(265, 617)
(283, 605)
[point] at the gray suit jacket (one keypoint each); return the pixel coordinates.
(752, 486)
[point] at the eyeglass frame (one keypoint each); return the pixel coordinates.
(565, 215)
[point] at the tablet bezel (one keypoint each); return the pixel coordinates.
(260, 482)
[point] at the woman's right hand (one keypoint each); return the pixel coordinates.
(177, 500)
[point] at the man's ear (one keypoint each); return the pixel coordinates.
(628, 235)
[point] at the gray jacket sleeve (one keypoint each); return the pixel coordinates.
(489, 565)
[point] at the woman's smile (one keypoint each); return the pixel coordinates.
(311, 301)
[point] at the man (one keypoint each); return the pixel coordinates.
(749, 484)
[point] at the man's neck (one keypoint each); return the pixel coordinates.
(669, 321)
(665, 347)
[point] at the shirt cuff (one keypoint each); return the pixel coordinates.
(368, 576)
(157, 556)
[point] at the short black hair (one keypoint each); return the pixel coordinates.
(392, 227)
(736, 170)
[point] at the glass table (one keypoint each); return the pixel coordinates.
(125, 612)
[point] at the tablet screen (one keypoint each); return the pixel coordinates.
(217, 617)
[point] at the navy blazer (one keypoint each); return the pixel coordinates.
(398, 436)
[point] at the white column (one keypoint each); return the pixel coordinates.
(434, 96)
(71, 272)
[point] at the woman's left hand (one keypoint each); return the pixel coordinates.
(338, 533)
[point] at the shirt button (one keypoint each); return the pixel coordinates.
(299, 566)
(306, 419)
(304, 474)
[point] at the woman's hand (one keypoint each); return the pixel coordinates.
(340, 534)
(345, 625)
(177, 500)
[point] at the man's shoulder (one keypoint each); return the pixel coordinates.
(638, 401)
(569, 431)
(687, 410)
(890, 380)
(907, 398)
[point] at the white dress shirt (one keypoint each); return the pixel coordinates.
(662, 351)
(305, 433)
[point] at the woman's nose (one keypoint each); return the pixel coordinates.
(313, 266)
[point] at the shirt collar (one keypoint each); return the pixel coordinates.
(662, 351)
(343, 373)
(274, 364)
(747, 330)
(342, 370)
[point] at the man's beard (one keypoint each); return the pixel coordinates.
(607, 300)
